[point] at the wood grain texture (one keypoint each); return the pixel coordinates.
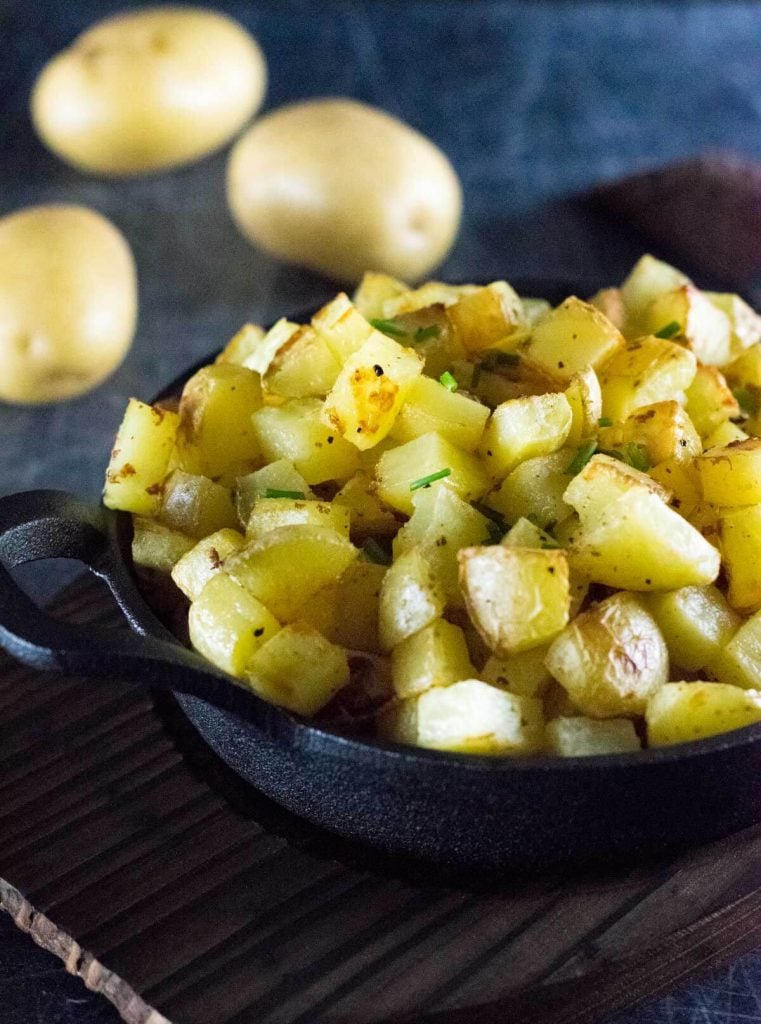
(129, 850)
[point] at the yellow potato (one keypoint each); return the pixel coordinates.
(341, 187)
(68, 302)
(146, 90)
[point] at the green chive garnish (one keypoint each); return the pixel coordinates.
(669, 331)
(747, 400)
(581, 458)
(605, 421)
(636, 456)
(390, 328)
(424, 333)
(273, 492)
(424, 481)
(448, 381)
(376, 552)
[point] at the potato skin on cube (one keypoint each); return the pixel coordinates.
(195, 505)
(732, 475)
(194, 570)
(411, 597)
(140, 458)
(585, 737)
(227, 624)
(611, 658)
(682, 712)
(517, 598)
(435, 656)
(523, 428)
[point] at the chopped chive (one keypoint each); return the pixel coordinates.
(448, 381)
(605, 421)
(747, 400)
(376, 552)
(581, 458)
(636, 456)
(424, 333)
(425, 481)
(390, 328)
(273, 492)
(670, 330)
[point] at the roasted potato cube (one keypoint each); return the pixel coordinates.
(283, 568)
(278, 476)
(263, 350)
(524, 673)
(346, 612)
(368, 516)
(303, 366)
(723, 435)
(740, 546)
(157, 547)
(732, 475)
(140, 459)
(739, 661)
(435, 656)
(584, 737)
(271, 513)
(440, 525)
(610, 302)
(696, 623)
(241, 345)
(296, 431)
(370, 390)
(411, 597)
(227, 624)
(663, 429)
(745, 371)
(572, 337)
(432, 293)
(215, 432)
(402, 471)
(745, 322)
(517, 598)
(469, 717)
(704, 328)
(195, 505)
(682, 480)
(374, 290)
(709, 400)
(610, 659)
(585, 399)
(431, 407)
(682, 712)
(298, 669)
(644, 371)
(648, 279)
(522, 429)
(489, 316)
(342, 326)
(604, 479)
(536, 489)
(526, 534)
(197, 565)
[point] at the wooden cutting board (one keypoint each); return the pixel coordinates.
(133, 853)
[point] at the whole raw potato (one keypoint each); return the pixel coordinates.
(68, 302)
(341, 187)
(146, 90)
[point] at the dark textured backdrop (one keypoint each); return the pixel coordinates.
(533, 102)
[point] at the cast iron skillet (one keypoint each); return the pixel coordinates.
(458, 811)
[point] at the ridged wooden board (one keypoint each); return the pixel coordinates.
(130, 851)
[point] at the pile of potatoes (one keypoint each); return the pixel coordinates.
(330, 184)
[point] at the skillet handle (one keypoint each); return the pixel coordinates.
(52, 524)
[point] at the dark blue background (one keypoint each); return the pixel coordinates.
(533, 102)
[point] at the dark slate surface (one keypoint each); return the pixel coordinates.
(533, 102)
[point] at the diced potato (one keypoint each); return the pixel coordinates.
(370, 390)
(682, 712)
(610, 302)
(517, 598)
(263, 351)
(745, 371)
(524, 673)
(197, 566)
(705, 329)
(374, 290)
(411, 597)
(525, 534)
(401, 468)
(296, 431)
(534, 309)
(368, 516)
(682, 480)
(732, 475)
(610, 659)
(195, 505)
(724, 434)
(342, 326)
(604, 479)
(644, 371)
(140, 458)
(157, 547)
(227, 624)
(440, 525)
(524, 428)
(303, 366)
(435, 656)
(433, 337)
(432, 293)
(346, 612)
(663, 429)
(740, 546)
(647, 279)
(469, 717)
(272, 513)
(696, 623)
(585, 737)
(283, 568)
(572, 337)
(298, 669)
(739, 661)
(215, 432)
(709, 400)
(242, 345)
(489, 316)
(745, 322)
(585, 399)
(432, 407)
(280, 475)
(535, 488)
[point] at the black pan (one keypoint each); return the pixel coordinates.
(458, 811)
